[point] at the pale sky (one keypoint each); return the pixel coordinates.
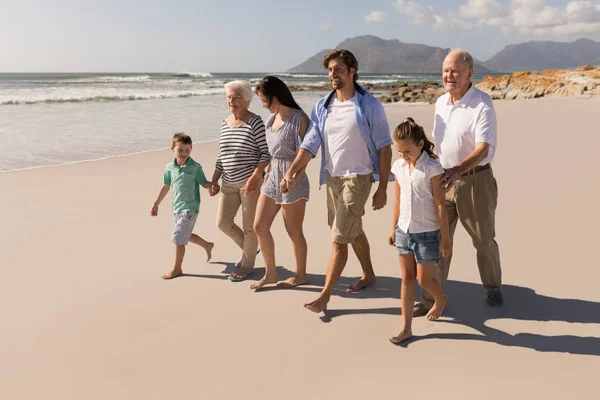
(263, 35)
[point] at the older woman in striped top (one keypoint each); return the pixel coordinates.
(243, 156)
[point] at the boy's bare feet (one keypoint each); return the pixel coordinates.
(402, 336)
(362, 283)
(264, 281)
(174, 273)
(437, 309)
(319, 305)
(208, 249)
(292, 282)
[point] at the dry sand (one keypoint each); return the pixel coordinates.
(87, 316)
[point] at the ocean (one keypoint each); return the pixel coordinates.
(60, 118)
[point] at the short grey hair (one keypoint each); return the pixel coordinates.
(243, 87)
(465, 57)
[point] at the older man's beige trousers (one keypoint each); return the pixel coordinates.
(473, 200)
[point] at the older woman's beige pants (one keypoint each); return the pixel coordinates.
(231, 198)
(472, 201)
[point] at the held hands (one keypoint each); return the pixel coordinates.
(450, 176)
(287, 183)
(251, 184)
(392, 238)
(154, 210)
(379, 199)
(214, 189)
(283, 186)
(445, 248)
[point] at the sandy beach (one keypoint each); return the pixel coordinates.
(86, 314)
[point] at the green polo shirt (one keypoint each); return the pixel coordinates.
(185, 183)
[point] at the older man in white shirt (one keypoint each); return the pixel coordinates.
(465, 134)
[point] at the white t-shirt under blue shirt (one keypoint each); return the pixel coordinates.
(346, 151)
(417, 206)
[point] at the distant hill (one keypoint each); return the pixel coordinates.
(386, 56)
(538, 56)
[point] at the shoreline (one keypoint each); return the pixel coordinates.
(386, 105)
(92, 160)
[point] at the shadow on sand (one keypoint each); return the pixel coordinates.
(466, 307)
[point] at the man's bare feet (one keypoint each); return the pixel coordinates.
(319, 305)
(264, 281)
(292, 282)
(437, 309)
(208, 249)
(420, 310)
(174, 273)
(361, 284)
(402, 336)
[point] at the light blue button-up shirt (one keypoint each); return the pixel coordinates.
(371, 119)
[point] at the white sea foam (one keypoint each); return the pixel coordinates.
(215, 83)
(108, 79)
(103, 96)
(296, 75)
(378, 81)
(195, 74)
(363, 76)
(419, 77)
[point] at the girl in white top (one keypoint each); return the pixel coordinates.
(419, 221)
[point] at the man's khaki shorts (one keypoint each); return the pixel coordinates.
(346, 199)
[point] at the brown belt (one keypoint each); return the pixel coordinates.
(477, 169)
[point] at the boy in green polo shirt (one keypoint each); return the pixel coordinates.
(185, 175)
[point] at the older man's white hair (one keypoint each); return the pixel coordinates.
(242, 87)
(464, 56)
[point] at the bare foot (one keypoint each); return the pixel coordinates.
(361, 284)
(292, 282)
(174, 273)
(209, 251)
(319, 305)
(264, 281)
(437, 309)
(402, 336)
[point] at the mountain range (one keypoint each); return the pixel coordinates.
(378, 55)
(537, 56)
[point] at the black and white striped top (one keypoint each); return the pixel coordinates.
(241, 149)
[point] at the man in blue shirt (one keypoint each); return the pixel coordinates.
(350, 127)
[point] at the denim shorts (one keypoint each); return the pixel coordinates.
(425, 246)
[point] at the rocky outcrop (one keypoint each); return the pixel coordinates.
(414, 93)
(527, 85)
(584, 81)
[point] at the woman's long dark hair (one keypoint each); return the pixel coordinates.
(271, 86)
(409, 129)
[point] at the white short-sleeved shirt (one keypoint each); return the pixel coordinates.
(458, 127)
(417, 206)
(347, 152)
